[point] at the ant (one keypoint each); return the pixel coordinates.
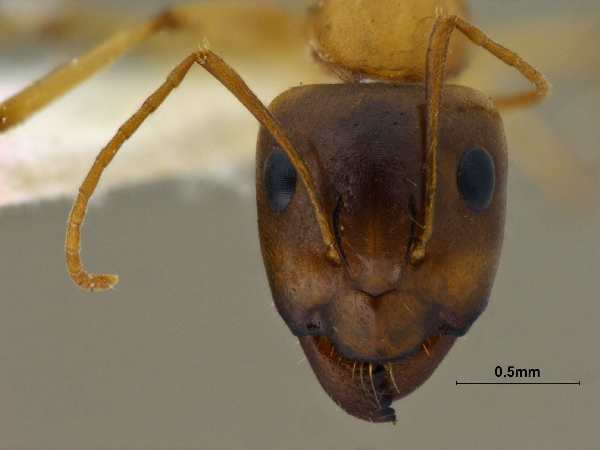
(387, 249)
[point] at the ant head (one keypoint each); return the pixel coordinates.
(363, 145)
(384, 39)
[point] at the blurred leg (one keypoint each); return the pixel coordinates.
(264, 25)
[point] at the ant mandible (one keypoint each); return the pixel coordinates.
(387, 250)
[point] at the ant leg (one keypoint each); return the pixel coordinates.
(66, 77)
(263, 26)
(437, 54)
(232, 81)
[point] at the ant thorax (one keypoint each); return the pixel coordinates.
(384, 40)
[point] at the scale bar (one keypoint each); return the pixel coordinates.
(576, 383)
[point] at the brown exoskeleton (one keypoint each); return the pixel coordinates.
(387, 249)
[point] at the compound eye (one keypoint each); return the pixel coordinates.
(280, 180)
(476, 179)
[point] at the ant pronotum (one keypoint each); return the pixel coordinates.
(387, 250)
